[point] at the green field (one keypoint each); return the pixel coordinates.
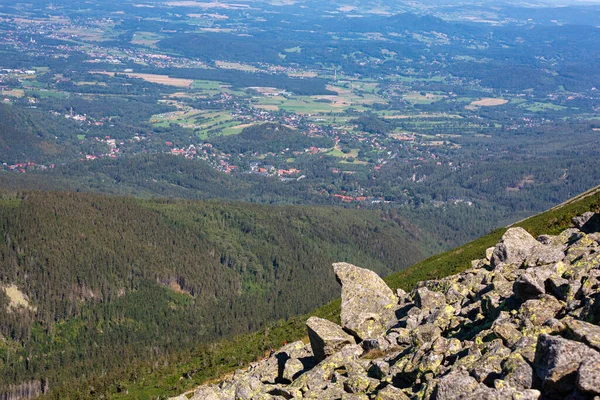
(542, 107)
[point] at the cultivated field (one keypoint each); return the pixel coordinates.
(160, 79)
(489, 102)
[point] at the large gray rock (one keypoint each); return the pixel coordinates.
(517, 372)
(207, 393)
(557, 362)
(544, 254)
(585, 332)
(456, 385)
(326, 337)
(514, 247)
(588, 377)
(368, 304)
(391, 393)
(426, 299)
(538, 311)
(588, 222)
(529, 285)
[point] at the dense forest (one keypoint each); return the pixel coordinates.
(111, 280)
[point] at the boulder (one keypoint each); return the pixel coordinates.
(588, 376)
(588, 222)
(531, 283)
(538, 311)
(517, 372)
(514, 247)
(391, 393)
(207, 393)
(326, 337)
(584, 332)
(557, 363)
(368, 304)
(456, 385)
(544, 254)
(426, 299)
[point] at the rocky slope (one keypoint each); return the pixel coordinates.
(522, 323)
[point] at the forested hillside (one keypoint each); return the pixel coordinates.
(92, 283)
(187, 369)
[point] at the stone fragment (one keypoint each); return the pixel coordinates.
(530, 284)
(426, 299)
(517, 372)
(588, 376)
(584, 332)
(489, 366)
(378, 369)
(250, 388)
(508, 332)
(538, 311)
(326, 337)
(455, 385)
(206, 393)
(588, 222)
(402, 296)
(354, 396)
(357, 384)
(292, 368)
(391, 393)
(489, 252)
(544, 254)
(559, 287)
(425, 333)
(516, 244)
(557, 362)
(368, 304)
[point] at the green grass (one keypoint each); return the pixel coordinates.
(206, 85)
(541, 107)
(45, 94)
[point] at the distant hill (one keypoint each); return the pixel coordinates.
(94, 284)
(29, 135)
(269, 137)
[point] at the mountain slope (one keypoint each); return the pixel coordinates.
(206, 363)
(110, 281)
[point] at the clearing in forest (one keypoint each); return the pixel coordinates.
(489, 102)
(153, 78)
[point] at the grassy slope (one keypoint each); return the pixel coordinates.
(218, 359)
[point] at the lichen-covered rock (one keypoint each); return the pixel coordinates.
(391, 393)
(426, 299)
(206, 393)
(326, 337)
(538, 311)
(544, 254)
(517, 372)
(454, 386)
(368, 304)
(514, 247)
(557, 362)
(530, 284)
(584, 332)
(292, 368)
(588, 376)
